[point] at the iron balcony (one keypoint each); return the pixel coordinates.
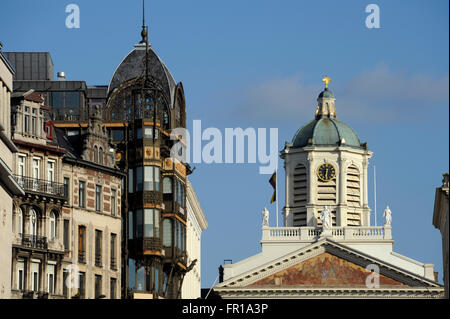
(39, 186)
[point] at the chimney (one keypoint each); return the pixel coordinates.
(61, 76)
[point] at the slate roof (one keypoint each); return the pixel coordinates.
(133, 66)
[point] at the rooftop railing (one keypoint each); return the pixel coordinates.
(339, 233)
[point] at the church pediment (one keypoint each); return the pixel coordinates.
(325, 264)
(325, 270)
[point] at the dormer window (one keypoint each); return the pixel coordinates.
(26, 123)
(34, 122)
(48, 129)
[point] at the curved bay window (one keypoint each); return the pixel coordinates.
(167, 232)
(144, 278)
(151, 223)
(139, 100)
(151, 178)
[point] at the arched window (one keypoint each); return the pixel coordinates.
(167, 232)
(96, 154)
(52, 230)
(100, 156)
(19, 221)
(167, 185)
(33, 222)
(165, 119)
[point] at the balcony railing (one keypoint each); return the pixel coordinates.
(42, 186)
(113, 263)
(34, 241)
(98, 260)
(82, 257)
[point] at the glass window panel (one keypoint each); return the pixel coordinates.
(66, 234)
(148, 132)
(148, 222)
(52, 225)
(167, 185)
(57, 100)
(139, 178)
(72, 99)
(131, 274)
(167, 232)
(156, 278)
(117, 135)
(98, 197)
(140, 279)
(139, 133)
(157, 219)
(113, 202)
(157, 178)
(148, 178)
(130, 181)
(130, 225)
(81, 193)
(139, 223)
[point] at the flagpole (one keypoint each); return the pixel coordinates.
(375, 193)
(276, 190)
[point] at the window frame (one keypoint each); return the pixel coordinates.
(82, 194)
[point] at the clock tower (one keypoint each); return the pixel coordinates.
(326, 165)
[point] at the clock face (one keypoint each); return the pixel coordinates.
(326, 172)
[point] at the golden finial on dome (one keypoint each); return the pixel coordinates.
(327, 80)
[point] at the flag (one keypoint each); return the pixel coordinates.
(273, 182)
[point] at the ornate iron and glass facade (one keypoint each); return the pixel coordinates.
(142, 111)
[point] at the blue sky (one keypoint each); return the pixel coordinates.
(260, 64)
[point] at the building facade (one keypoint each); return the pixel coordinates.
(8, 184)
(92, 215)
(196, 224)
(139, 110)
(37, 236)
(327, 247)
(440, 221)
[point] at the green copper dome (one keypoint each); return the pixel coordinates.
(326, 94)
(326, 132)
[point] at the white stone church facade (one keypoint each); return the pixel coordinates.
(342, 256)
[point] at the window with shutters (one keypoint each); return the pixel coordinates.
(353, 196)
(300, 195)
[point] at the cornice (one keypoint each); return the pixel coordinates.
(195, 204)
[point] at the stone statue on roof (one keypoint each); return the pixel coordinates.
(265, 216)
(387, 216)
(325, 217)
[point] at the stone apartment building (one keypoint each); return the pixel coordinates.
(37, 233)
(8, 185)
(67, 225)
(92, 216)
